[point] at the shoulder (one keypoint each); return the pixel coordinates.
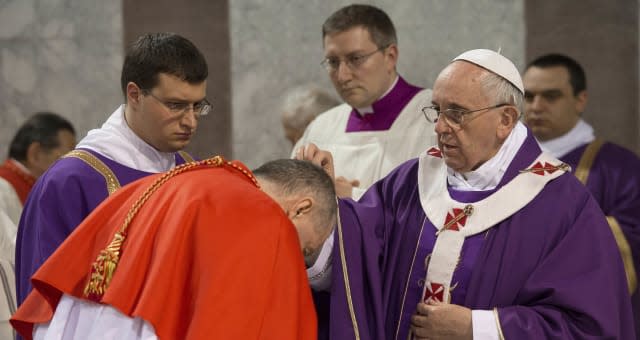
(613, 157)
(332, 115)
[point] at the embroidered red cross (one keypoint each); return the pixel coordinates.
(434, 291)
(540, 168)
(435, 152)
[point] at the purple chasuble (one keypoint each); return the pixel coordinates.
(385, 110)
(552, 269)
(61, 198)
(614, 181)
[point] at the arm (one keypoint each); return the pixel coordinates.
(57, 204)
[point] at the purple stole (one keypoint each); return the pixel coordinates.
(386, 109)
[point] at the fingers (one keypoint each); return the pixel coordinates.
(423, 309)
(433, 302)
(321, 158)
(355, 183)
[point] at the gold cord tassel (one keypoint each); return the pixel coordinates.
(105, 265)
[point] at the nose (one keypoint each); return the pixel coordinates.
(343, 72)
(442, 127)
(190, 119)
(535, 105)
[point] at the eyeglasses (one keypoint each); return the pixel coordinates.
(354, 61)
(201, 108)
(455, 118)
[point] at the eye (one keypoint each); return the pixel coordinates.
(173, 106)
(551, 96)
(356, 60)
(454, 115)
(333, 62)
(528, 97)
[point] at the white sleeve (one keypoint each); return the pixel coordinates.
(357, 192)
(484, 325)
(320, 273)
(80, 319)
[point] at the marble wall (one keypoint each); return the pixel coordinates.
(66, 55)
(59, 55)
(277, 44)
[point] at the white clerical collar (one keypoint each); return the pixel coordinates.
(581, 134)
(116, 141)
(369, 109)
(489, 174)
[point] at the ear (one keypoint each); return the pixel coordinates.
(581, 101)
(508, 119)
(391, 55)
(133, 93)
(33, 157)
(302, 206)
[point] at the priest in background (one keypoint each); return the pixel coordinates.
(555, 96)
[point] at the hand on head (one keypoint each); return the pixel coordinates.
(315, 155)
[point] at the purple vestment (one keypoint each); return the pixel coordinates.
(552, 270)
(61, 198)
(386, 109)
(614, 181)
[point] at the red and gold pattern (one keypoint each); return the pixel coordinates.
(434, 291)
(456, 219)
(546, 168)
(104, 267)
(435, 152)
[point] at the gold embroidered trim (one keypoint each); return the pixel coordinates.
(498, 325)
(586, 161)
(187, 157)
(345, 275)
(406, 286)
(625, 251)
(109, 177)
(104, 267)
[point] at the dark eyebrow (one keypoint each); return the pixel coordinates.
(552, 92)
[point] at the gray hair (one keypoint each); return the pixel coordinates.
(502, 90)
(296, 177)
(303, 104)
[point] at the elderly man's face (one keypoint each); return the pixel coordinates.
(479, 138)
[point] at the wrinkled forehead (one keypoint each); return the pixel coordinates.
(459, 82)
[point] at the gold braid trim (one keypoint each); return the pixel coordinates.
(187, 157)
(498, 325)
(586, 161)
(625, 252)
(109, 177)
(103, 268)
(345, 275)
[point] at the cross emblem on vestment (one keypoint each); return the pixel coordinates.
(434, 291)
(435, 152)
(456, 219)
(542, 168)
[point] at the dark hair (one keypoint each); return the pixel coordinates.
(43, 128)
(373, 19)
(577, 77)
(296, 177)
(156, 53)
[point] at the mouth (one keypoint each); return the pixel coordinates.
(184, 136)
